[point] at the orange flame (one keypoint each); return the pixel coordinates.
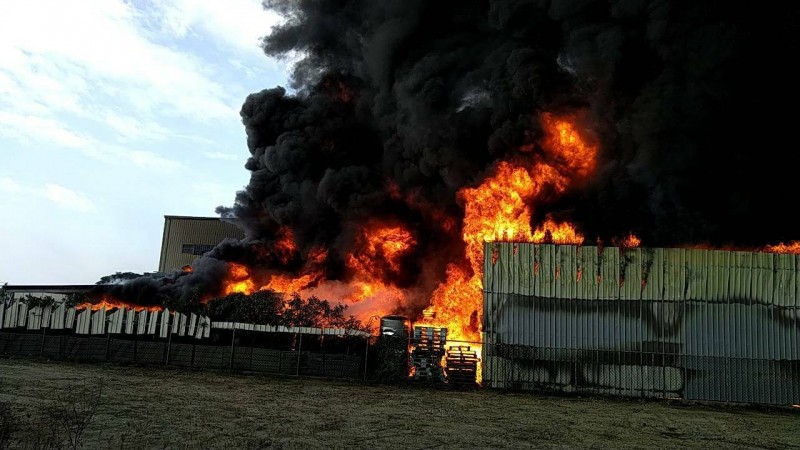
(285, 245)
(501, 209)
(239, 281)
(380, 248)
(629, 241)
(790, 248)
(111, 303)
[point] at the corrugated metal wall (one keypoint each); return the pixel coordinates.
(191, 230)
(695, 324)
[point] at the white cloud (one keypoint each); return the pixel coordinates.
(152, 161)
(57, 55)
(238, 23)
(221, 155)
(60, 195)
(67, 197)
(25, 127)
(49, 131)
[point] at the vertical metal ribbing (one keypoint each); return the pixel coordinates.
(791, 313)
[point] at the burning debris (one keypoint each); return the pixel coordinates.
(420, 130)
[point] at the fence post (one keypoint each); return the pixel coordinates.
(194, 346)
(108, 345)
(299, 348)
(366, 355)
(41, 351)
(324, 360)
(136, 348)
(233, 338)
(167, 348)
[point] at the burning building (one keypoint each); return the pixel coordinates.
(414, 132)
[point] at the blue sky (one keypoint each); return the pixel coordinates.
(113, 114)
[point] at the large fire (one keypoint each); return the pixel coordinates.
(111, 303)
(500, 208)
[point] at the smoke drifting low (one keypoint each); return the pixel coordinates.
(398, 105)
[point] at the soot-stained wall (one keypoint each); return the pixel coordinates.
(696, 324)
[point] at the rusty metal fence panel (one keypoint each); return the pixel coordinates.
(671, 323)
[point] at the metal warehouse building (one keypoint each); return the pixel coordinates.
(187, 238)
(675, 323)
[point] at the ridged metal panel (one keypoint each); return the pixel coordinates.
(47, 311)
(503, 264)
(130, 319)
(181, 324)
(57, 317)
(164, 329)
(34, 318)
(545, 262)
(99, 321)
(696, 273)
(152, 324)
(83, 321)
(188, 230)
(10, 320)
(653, 273)
(192, 324)
(142, 323)
(608, 288)
(631, 262)
(719, 264)
(566, 275)
(176, 320)
(674, 274)
(115, 320)
(763, 278)
(710, 325)
(22, 314)
(69, 319)
(587, 270)
(784, 280)
(2, 314)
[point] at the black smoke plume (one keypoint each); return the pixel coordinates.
(395, 105)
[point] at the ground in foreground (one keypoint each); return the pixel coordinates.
(161, 407)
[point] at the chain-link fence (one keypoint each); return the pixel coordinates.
(240, 350)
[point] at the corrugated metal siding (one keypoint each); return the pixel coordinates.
(697, 324)
(190, 230)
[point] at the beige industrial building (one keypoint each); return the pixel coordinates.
(187, 238)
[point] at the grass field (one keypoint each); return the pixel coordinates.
(169, 408)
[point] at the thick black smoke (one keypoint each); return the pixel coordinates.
(398, 104)
(692, 103)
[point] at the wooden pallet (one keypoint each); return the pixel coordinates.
(462, 365)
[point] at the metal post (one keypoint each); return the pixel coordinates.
(169, 344)
(108, 344)
(299, 348)
(366, 355)
(233, 338)
(44, 330)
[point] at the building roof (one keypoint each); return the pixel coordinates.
(200, 218)
(52, 288)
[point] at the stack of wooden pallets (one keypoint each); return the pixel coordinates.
(426, 355)
(462, 365)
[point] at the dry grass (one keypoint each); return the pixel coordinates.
(158, 408)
